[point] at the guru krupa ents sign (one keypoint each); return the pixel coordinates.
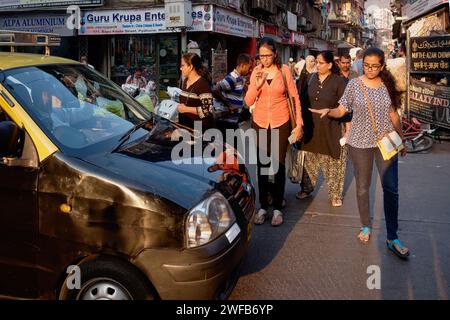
(152, 20)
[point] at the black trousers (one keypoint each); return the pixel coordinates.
(276, 189)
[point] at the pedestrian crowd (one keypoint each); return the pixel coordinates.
(326, 107)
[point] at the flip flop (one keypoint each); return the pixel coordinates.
(260, 217)
(302, 195)
(277, 218)
(336, 202)
(391, 246)
(365, 231)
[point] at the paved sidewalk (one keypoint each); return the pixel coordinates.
(315, 253)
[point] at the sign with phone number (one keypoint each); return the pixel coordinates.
(430, 103)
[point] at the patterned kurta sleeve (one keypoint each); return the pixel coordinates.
(347, 99)
(206, 109)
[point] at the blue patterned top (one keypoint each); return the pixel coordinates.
(361, 132)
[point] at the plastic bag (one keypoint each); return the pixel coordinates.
(295, 161)
(146, 101)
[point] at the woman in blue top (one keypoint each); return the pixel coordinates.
(379, 85)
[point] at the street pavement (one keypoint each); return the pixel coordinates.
(315, 254)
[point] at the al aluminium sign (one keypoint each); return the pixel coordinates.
(20, 4)
(48, 23)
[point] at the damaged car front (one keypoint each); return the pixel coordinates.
(112, 201)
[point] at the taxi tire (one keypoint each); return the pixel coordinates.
(121, 272)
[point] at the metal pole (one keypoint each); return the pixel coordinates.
(183, 40)
(408, 71)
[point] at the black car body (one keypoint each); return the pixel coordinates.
(120, 210)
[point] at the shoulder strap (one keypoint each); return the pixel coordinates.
(290, 101)
(285, 83)
(369, 106)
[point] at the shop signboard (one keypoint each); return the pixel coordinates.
(202, 18)
(134, 21)
(232, 23)
(48, 23)
(415, 8)
(430, 54)
(23, 4)
(430, 103)
(122, 21)
(285, 35)
(297, 39)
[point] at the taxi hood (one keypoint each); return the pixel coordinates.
(175, 170)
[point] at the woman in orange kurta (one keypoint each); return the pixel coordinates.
(271, 114)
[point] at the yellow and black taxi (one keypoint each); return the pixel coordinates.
(92, 205)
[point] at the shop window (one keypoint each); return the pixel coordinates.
(131, 52)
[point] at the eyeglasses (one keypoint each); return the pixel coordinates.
(373, 67)
(265, 56)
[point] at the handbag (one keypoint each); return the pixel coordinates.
(389, 143)
(295, 160)
(291, 107)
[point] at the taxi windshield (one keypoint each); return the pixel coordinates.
(78, 109)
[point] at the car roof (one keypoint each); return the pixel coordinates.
(10, 60)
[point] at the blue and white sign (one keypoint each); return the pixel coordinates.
(49, 23)
(123, 21)
(232, 23)
(152, 20)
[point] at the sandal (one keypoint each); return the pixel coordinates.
(277, 218)
(336, 202)
(394, 246)
(260, 217)
(302, 195)
(364, 235)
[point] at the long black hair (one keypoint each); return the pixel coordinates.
(385, 75)
(270, 44)
(328, 56)
(193, 59)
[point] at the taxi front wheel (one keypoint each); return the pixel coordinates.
(106, 278)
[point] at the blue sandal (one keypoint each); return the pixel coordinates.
(365, 232)
(391, 246)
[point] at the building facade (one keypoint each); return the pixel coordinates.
(347, 23)
(120, 35)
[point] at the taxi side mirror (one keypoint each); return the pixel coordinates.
(9, 139)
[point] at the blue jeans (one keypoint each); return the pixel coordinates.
(362, 160)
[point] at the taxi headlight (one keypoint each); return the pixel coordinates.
(208, 220)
